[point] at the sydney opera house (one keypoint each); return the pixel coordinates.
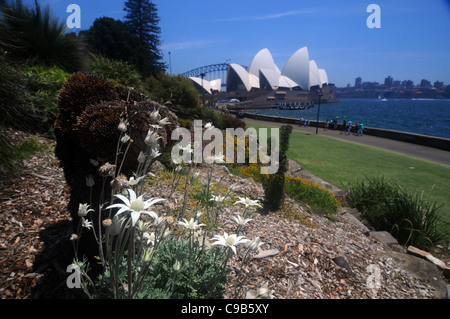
(299, 80)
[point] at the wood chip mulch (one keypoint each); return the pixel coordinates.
(311, 258)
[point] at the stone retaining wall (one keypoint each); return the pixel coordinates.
(425, 140)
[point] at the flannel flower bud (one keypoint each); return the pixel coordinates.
(123, 125)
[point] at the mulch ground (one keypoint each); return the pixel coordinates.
(35, 247)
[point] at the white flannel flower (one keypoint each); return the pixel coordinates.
(90, 181)
(248, 202)
(215, 159)
(136, 206)
(152, 138)
(229, 240)
(154, 116)
(123, 125)
(150, 238)
(217, 198)
(208, 126)
(134, 181)
(83, 210)
(125, 139)
(254, 244)
(164, 121)
(241, 221)
(177, 266)
(86, 224)
(191, 224)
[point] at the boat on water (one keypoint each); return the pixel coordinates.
(381, 98)
(295, 105)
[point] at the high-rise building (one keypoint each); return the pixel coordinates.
(409, 84)
(425, 83)
(358, 82)
(388, 81)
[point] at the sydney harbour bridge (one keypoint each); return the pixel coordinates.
(210, 72)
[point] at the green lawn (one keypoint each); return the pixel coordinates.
(342, 163)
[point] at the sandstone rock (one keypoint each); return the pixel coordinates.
(424, 254)
(383, 237)
(422, 270)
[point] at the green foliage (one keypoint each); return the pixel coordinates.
(274, 184)
(142, 21)
(229, 121)
(13, 98)
(185, 123)
(36, 37)
(410, 217)
(111, 39)
(11, 154)
(121, 73)
(318, 198)
(199, 275)
(176, 89)
(43, 85)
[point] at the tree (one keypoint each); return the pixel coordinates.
(142, 20)
(112, 39)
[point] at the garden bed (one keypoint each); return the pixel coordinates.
(299, 256)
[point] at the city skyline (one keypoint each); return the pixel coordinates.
(410, 43)
(391, 81)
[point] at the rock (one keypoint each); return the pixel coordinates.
(422, 270)
(343, 263)
(424, 254)
(156, 167)
(416, 251)
(351, 218)
(267, 253)
(383, 237)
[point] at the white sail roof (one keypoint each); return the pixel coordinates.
(298, 72)
(272, 77)
(297, 68)
(314, 76)
(323, 76)
(262, 60)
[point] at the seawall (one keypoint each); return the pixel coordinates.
(425, 140)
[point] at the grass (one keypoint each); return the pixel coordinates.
(343, 163)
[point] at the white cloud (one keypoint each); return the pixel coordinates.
(268, 16)
(188, 44)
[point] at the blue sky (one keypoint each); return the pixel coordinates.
(412, 43)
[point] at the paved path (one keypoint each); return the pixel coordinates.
(423, 152)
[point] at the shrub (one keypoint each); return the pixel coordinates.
(14, 106)
(35, 37)
(117, 71)
(274, 184)
(43, 85)
(229, 121)
(176, 89)
(318, 198)
(410, 217)
(202, 281)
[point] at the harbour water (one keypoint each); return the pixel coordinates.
(421, 116)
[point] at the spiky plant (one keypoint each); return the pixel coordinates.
(34, 36)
